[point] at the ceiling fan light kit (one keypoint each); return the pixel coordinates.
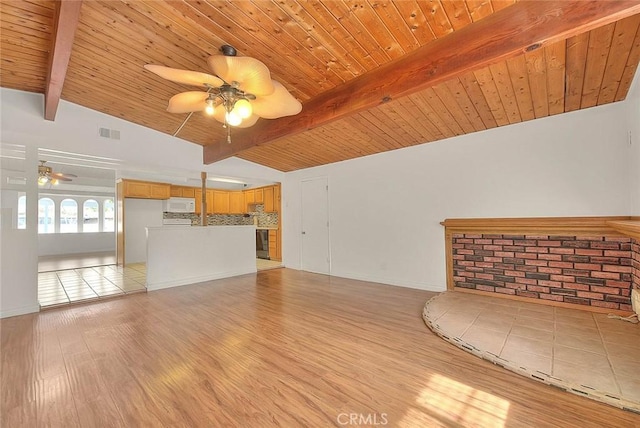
(46, 175)
(238, 93)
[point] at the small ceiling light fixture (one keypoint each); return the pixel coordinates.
(238, 93)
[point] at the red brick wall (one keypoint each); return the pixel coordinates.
(584, 270)
(635, 256)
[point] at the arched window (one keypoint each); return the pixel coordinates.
(22, 212)
(108, 224)
(68, 216)
(46, 216)
(91, 216)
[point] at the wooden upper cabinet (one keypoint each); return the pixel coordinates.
(220, 202)
(183, 192)
(188, 192)
(276, 198)
(268, 196)
(259, 196)
(210, 203)
(236, 203)
(269, 204)
(145, 189)
(249, 198)
(197, 194)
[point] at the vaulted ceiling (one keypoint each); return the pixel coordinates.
(337, 58)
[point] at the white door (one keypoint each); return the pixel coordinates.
(315, 225)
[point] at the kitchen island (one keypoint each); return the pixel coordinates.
(183, 255)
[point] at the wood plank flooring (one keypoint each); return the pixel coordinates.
(279, 348)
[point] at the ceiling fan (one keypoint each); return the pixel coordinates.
(46, 175)
(238, 93)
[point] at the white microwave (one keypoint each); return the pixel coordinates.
(179, 205)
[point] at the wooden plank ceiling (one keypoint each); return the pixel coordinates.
(312, 47)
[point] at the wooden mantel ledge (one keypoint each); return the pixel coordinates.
(618, 225)
(626, 227)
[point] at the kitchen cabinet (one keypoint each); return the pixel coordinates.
(220, 202)
(183, 192)
(249, 199)
(259, 196)
(269, 206)
(276, 198)
(271, 199)
(274, 245)
(145, 189)
(210, 203)
(236, 203)
(268, 196)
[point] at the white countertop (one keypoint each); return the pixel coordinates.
(196, 226)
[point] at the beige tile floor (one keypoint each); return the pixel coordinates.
(67, 285)
(583, 352)
(262, 264)
(73, 285)
(74, 261)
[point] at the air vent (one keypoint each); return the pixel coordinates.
(114, 134)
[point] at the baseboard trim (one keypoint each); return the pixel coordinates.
(197, 279)
(20, 311)
(389, 281)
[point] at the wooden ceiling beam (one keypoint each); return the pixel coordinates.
(65, 22)
(525, 26)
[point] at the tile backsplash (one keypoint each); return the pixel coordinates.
(264, 219)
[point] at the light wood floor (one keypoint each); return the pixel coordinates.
(279, 348)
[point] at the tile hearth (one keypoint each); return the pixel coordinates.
(582, 352)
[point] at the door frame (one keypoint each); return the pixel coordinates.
(326, 180)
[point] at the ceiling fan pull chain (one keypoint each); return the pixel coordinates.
(228, 135)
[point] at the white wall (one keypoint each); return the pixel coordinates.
(18, 248)
(138, 215)
(385, 209)
(633, 119)
(52, 244)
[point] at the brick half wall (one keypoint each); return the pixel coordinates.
(635, 263)
(594, 271)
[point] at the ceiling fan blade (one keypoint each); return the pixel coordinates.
(252, 75)
(280, 103)
(61, 175)
(248, 122)
(187, 77)
(187, 102)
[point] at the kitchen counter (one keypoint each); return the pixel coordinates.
(180, 255)
(266, 227)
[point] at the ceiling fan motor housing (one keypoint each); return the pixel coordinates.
(228, 50)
